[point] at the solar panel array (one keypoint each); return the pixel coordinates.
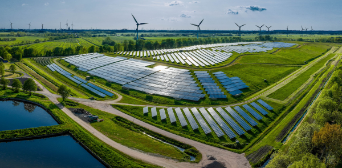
(221, 123)
(230, 121)
(190, 118)
(232, 85)
(245, 116)
(268, 107)
(181, 117)
(93, 88)
(213, 118)
(238, 119)
(211, 122)
(201, 121)
(209, 85)
(170, 82)
(251, 111)
(197, 58)
(171, 115)
(260, 109)
(253, 47)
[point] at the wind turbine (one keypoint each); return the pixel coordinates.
(311, 28)
(198, 27)
(137, 30)
(259, 27)
(11, 24)
(67, 25)
(42, 26)
(239, 26)
(287, 29)
(29, 26)
(269, 28)
(72, 25)
(302, 28)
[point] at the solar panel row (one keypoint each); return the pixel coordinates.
(221, 123)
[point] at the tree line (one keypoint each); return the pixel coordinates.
(318, 141)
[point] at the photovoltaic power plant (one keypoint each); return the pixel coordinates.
(211, 122)
(181, 117)
(190, 118)
(260, 109)
(209, 85)
(238, 119)
(232, 85)
(201, 121)
(134, 74)
(221, 123)
(251, 111)
(268, 107)
(245, 116)
(230, 121)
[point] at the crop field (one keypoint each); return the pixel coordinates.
(65, 43)
(20, 39)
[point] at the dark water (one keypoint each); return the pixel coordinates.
(61, 151)
(19, 115)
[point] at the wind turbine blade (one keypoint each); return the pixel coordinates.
(142, 23)
(262, 25)
(200, 22)
(243, 25)
(193, 24)
(237, 25)
(135, 19)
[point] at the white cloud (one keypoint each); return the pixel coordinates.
(187, 14)
(24, 4)
(174, 3)
(46, 4)
(170, 19)
(240, 9)
(194, 2)
(63, 2)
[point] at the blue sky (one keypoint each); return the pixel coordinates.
(173, 15)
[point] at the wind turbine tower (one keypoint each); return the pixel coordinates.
(67, 25)
(72, 25)
(268, 28)
(198, 27)
(29, 26)
(259, 27)
(137, 30)
(287, 30)
(42, 26)
(11, 25)
(240, 27)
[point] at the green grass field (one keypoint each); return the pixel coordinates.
(288, 89)
(20, 39)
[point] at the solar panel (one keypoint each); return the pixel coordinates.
(268, 107)
(260, 109)
(201, 121)
(238, 119)
(162, 114)
(211, 122)
(145, 110)
(245, 116)
(181, 117)
(230, 121)
(154, 112)
(171, 115)
(250, 110)
(222, 124)
(190, 118)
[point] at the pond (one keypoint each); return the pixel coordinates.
(19, 115)
(53, 152)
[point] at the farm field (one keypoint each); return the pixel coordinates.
(20, 39)
(65, 43)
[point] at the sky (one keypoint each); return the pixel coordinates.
(172, 15)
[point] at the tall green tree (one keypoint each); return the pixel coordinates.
(2, 70)
(13, 68)
(16, 85)
(4, 82)
(29, 86)
(63, 91)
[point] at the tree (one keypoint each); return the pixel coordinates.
(29, 85)
(309, 160)
(16, 85)
(63, 91)
(4, 82)
(281, 160)
(329, 140)
(13, 68)
(2, 70)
